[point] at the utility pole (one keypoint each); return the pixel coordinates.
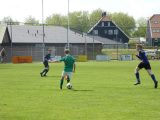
(43, 44)
(68, 28)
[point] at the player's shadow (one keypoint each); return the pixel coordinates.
(53, 76)
(76, 90)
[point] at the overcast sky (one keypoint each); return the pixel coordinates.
(21, 9)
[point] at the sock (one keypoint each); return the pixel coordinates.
(61, 83)
(153, 78)
(46, 71)
(43, 71)
(68, 79)
(137, 77)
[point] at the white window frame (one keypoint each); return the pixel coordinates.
(102, 24)
(95, 32)
(105, 31)
(109, 24)
(110, 32)
(116, 32)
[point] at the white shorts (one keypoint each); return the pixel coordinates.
(67, 74)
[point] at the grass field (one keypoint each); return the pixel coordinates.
(102, 91)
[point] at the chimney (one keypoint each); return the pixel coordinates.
(104, 14)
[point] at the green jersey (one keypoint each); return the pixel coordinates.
(68, 62)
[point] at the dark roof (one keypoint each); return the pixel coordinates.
(107, 18)
(106, 40)
(53, 34)
(154, 16)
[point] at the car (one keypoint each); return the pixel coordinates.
(151, 54)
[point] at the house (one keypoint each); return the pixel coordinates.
(153, 30)
(108, 31)
(23, 40)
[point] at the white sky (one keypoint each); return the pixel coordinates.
(21, 9)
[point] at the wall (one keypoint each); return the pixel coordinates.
(36, 51)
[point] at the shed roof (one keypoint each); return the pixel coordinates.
(2, 31)
(53, 34)
(106, 40)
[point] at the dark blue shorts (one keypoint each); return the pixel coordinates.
(144, 65)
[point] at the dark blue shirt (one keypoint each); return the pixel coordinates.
(142, 56)
(47, 57)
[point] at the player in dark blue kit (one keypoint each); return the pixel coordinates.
(46, 65)
(144, 64)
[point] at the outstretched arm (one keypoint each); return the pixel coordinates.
(54, 61)
(58, 60)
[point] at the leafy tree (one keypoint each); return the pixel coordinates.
(85, 21)
(141, 28)
(95, 16)
(74, 19)
(55, 19)
(64, 21)
(31, 20)
(125, 22)
(79, 21)
(9, 20)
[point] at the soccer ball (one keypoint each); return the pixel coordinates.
(69, 85)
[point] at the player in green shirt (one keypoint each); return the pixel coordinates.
(69, 67)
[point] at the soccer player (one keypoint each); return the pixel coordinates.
(46, 65)
(144, 64)
(2, 55)
(69, 67)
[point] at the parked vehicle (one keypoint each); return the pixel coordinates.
(152, 54)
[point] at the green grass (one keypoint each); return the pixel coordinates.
(102, 91)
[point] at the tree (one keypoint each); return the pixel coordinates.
(141, 28)
(9, 20)
(125, 22)
(56, 19)
(31, 20)
(64, 21)
(79, 21)
(95, 16)
(85, 21)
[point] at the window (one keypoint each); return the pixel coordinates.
(155, 22)
(156, 30)
(156, 40)
(102, 24)
(116, 32)
(95, 32)
(105, 31)
(110, 32)
(120, 40)
(109, 24)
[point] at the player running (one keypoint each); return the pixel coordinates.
(46, 65)
(144, 64)
(2, 55)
